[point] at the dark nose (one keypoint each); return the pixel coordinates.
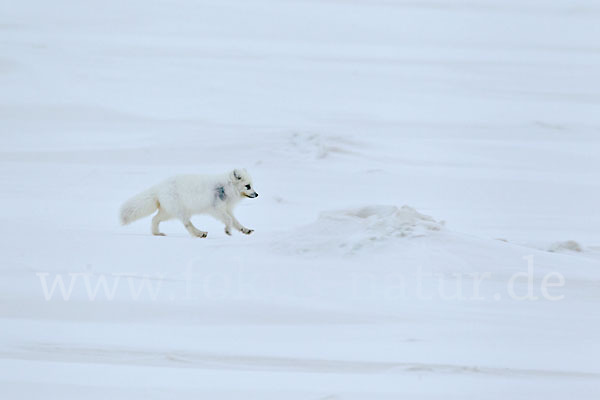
(255, 195)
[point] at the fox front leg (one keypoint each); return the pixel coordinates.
(224, 217)
(240, 227)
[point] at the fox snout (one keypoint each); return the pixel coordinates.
(252, 195)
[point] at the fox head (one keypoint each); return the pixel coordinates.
(243, 183)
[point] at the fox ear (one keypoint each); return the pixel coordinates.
(236, 174)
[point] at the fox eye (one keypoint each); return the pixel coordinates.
(248, 187)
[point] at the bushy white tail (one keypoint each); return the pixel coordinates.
(139, 206)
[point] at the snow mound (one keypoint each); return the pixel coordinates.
(351, 230)
(569, 245)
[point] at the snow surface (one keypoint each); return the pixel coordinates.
(483, 114)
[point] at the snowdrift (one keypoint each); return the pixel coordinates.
(349, 231)
(568, 245)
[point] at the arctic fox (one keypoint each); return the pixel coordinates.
(185, 195)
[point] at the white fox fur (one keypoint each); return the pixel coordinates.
(185, 195)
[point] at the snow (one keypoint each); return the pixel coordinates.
(365, 126)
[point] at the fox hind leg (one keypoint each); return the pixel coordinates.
(183, 215)
(193, 230)
(160, 216)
